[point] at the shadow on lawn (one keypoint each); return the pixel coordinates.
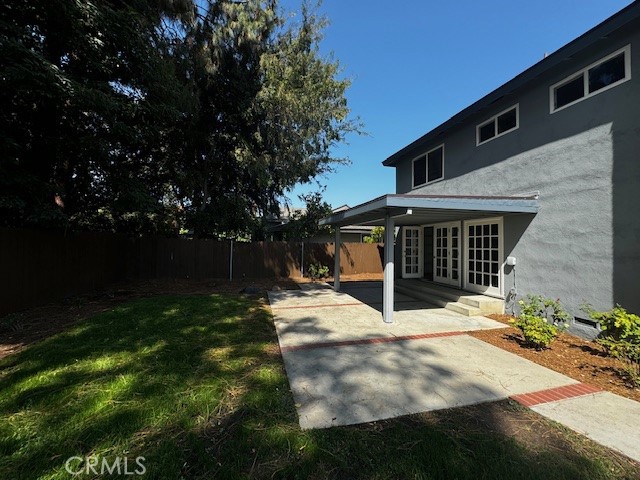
(197, 387)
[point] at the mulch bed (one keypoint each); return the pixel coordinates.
(580, 359)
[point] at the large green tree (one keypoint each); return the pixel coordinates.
(147, 116)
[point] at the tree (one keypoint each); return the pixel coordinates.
(377, 235)
(271, 126)
(306, 225)
(88, 97)
(151, 116)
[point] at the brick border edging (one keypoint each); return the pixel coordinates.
(368, 341)
(321, 305)
(554, 394)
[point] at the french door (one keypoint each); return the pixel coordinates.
(446, 253)
(483, 246)
(412, 264)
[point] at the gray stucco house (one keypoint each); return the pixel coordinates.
(534, 188)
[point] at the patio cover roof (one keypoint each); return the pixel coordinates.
(409, 209)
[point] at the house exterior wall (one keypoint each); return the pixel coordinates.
(584, 244)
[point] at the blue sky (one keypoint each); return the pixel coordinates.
(415, 63)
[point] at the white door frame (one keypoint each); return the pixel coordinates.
(448, 280)
(420, 257)
(492, 291)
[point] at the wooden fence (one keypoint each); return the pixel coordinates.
(38, 267)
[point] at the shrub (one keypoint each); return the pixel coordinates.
(620, 337)
(541, 320)
(318, 271)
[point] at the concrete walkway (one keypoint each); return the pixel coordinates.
(345, 366)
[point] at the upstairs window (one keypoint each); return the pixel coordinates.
(598, 77)
(502, 123)
(428, 167)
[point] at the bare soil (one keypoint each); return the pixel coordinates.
(582, 360)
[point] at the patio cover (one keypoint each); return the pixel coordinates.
(402, 209)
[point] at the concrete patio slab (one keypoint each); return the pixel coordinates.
(363, 383)
(322, 315)
(345, 366)
(608, 419)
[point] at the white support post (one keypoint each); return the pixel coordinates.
(387, 284)
(336, 261)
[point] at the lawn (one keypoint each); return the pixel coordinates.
(196, 386)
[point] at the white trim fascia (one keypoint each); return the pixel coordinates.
(584, 72)
(494, 119)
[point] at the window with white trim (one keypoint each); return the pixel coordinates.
(598, 77)
(428, 167)
(498, 125)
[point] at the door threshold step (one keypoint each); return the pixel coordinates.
(456, 300)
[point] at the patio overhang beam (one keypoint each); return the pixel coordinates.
(422, 209)
(391, 210)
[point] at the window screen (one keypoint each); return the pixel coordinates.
(569, 92)
(419, 171)
(507, 121)
(606, 73)
(434, 165)
(487, 131)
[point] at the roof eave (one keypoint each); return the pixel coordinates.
(597, 33)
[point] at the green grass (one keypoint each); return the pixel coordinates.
(195, 384)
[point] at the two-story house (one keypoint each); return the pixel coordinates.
(534, 188)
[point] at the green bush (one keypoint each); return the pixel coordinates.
(541, 320)
(620, 337)
(318, 271)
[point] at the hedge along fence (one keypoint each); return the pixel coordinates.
(39, 267)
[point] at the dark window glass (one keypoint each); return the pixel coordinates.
(487, 131)
(507, 121)
(454, 275)
(494, 268)
(485, 229)
(494, 229)
(470, 277)
(478, 279)
(570, 91)
(420, 171)
(494, 281)
(435, 165)
(471, 252)
(606, 73)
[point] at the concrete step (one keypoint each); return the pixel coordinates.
(456, 300)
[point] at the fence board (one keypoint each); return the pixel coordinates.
(39, 267)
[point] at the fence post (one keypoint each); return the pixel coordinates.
(302, 261)
(231, 261)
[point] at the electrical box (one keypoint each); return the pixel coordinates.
(511, 261)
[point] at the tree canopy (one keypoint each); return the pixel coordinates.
(146, 116)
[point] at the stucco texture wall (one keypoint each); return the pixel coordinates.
(583, 245)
